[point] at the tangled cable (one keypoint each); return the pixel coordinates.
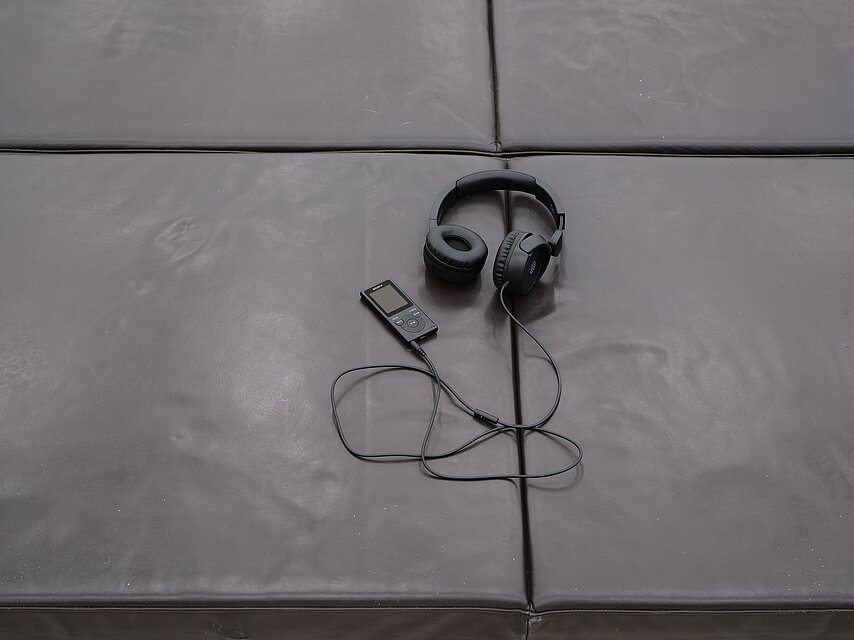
(495, 427)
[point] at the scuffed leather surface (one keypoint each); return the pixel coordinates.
(271, 74)
(169, 328)
(695, 76)
(701, 313)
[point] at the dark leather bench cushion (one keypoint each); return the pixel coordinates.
(267, 623)
(702, 317)
(653, 625)
(170, 326)
(271, 73)
(696, 75)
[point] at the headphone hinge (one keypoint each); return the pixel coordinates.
(556, 241)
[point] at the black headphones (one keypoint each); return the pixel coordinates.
(457, 254)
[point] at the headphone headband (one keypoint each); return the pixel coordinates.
(503, 180)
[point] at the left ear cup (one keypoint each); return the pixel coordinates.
(454, 253)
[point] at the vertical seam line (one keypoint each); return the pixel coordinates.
(493, 69)
(527, 561)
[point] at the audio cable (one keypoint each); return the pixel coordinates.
(495, 425)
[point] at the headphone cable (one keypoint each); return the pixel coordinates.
(496, 425)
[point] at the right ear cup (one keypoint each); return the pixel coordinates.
(499, 268)
(520, 261)
(454, 253)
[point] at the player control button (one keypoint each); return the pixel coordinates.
(414, 324)
(416, 314)
(398, 322)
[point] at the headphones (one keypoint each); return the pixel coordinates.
(457, 254)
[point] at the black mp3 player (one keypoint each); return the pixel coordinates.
(402, 315)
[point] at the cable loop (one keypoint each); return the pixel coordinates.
(498, 426)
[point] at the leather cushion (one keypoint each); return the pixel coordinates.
(271, 74)
(701, 315)
(695, 76)
(169, 328)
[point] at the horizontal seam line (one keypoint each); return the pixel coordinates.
(694, 611)
(125, 606)
(506, 155)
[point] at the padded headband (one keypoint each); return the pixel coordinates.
(503, 180)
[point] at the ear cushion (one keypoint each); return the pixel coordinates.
(499, 269)
(452, 263)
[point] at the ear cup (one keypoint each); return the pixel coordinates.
(454, 253)
(520, 261)
(502, 258)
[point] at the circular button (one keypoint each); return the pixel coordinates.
(398, 322)
(416, 314)
(414, 324)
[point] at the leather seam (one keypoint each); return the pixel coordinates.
(692, 612)
(631, 152)
(493, 70)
